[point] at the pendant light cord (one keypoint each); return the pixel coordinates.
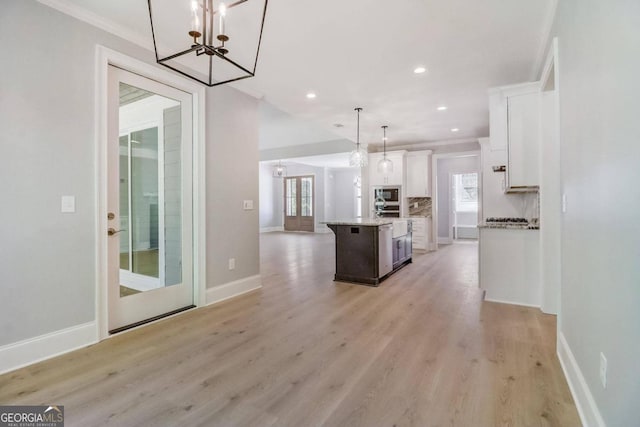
(358, 109)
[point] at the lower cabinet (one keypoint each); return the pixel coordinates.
(402, 250)
(421, 238)
(510, 266)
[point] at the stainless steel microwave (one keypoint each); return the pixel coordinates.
(388, 194)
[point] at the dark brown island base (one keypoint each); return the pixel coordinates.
(370, 250)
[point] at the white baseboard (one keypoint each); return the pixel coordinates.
(444, 241)
(32, 350)
(233, 289)
(586, 404)
(502, 301)
(271, 229)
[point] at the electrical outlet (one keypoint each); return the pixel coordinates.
(68, 204)
(232, 263)
(564, 203)
(603, 370)
(247, 205)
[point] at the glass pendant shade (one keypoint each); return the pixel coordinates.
(359, 157)
(385, 166)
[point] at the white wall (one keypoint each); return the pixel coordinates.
(270, 196)
(335, 194)
(47, 259)
(232, 176)
(599, 67)
(448, 166)
(344, 193)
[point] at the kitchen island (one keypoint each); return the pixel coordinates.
(370, 250)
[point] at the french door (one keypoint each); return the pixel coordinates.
(299, 203)
(149, 199)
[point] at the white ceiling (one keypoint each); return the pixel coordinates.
(363, 52)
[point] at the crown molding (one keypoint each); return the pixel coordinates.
(547, 26)
(72, 9)
(425, 145)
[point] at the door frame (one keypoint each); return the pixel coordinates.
(434, 186)
(313, 198)
(105, 57)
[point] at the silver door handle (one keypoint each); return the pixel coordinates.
(112, 231)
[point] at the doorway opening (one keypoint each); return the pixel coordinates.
(464, 206)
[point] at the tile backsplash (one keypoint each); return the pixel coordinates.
(423, 206)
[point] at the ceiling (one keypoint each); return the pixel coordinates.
(363, 53)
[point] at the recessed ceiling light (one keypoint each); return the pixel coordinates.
(442, 108)
(420, 70)
(338, 125)
(454, 129)
(311, 95)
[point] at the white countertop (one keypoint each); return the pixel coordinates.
(373, 222)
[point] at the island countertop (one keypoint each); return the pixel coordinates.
(371, 222)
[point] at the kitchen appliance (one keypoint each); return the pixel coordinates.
(385, 250)
(389, 194)
(387, 202)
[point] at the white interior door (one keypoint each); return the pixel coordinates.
(149, 199)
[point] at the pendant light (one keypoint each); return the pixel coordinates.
(211, 41)
(385, 165)
(358, 157)
(279, 170)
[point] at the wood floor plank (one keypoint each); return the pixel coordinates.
(423, 349)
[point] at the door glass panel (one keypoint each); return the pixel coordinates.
(144, 202)
(150, 191)
(124, 201)
(291, 192)
(307, 196)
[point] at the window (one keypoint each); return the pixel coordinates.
(466, 192)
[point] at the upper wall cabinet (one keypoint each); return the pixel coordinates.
(515, 127)
(394, 178)
(418, 174)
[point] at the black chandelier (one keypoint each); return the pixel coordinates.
(211, 41)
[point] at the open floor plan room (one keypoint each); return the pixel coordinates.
(422, 350)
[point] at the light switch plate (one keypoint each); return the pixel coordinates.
(247, 205)
(68, 204)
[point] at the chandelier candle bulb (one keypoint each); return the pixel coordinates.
(195, 22)
(223, 12)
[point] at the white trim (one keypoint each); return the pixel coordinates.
(22, 353)
(271, 229)
(419, 146)
(233, 289)
(502, 301)
(72, 9)
(104, 58)
(444, 240)
(546, 34)
(586, 404)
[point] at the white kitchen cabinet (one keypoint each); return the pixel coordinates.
(421, 234)
(394, 178)
(418, 174)
(523, 140)
(514, 126)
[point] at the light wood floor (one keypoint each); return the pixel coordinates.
(420, 350)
